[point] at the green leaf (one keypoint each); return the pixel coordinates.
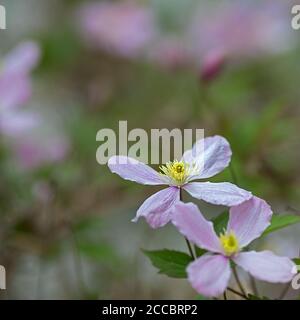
(199, 251)
(220, 222)
(297, 261)
(169, 262)
(281, 221)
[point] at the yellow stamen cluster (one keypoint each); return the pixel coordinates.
(229, 243)
(178, 171)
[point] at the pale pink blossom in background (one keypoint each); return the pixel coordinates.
(16, 123)
(122, 28)
(211, 65)
(37, 150)
(15, 75)
(169, 52)
(24, 129)
(213, 33)
(22, 60)
(240, 29)
(16, 89)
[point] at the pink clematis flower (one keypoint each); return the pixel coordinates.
(179, 175)
(210, 274)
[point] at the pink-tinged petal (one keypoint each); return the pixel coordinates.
(222, 193)
(133, 170)
(15, 90)
(212, 154)
(209, 275)
(124, 27)
(15, 124)
(212, 64)
(33, 152)
(249, 220)
(266, 266)
(157, 209)
(22, 59)
(190, 222)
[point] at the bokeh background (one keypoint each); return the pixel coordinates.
(230, 67)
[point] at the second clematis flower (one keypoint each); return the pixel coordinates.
(210, 274)
(197, 163)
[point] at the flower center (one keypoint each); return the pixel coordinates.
(229, 243)
(176, 170)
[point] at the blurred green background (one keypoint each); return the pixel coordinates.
(65, 229)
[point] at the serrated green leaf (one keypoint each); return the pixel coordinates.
(281, 221)
(220, 222)
(169, 262)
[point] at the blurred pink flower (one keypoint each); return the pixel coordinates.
(212, 64)
(15, 89)
(36, 150)
(16, 123)
(24, 130)
(210, 274)
(124, 28)
(240, 29)
(15, 82)
(169, 52)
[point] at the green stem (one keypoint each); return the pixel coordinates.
(186, 240)
(237, 293)
(190, 248)
(233, 174)
(238, 281)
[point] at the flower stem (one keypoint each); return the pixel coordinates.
(237, 293)
(233, 174)
(190, 248)
(238, 281)
(186, 240)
